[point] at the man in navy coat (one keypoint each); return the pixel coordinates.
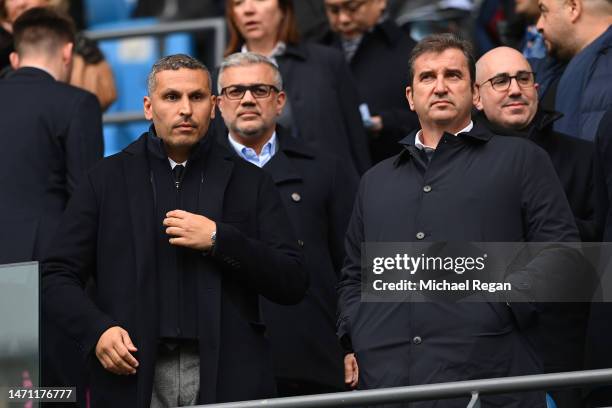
(176, 232)
(317, 190)
(51, 135)
(454, 181)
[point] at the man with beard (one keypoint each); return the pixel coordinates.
(578, 37)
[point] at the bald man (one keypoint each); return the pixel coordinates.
(508, 105)
(577, 33)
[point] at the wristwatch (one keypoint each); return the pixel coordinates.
(213, 239)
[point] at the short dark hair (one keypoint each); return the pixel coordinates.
(43, 28)
(438, 43)
(174, 63)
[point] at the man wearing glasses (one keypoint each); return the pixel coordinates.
(376, 50)
(318, 195)
(509, 106)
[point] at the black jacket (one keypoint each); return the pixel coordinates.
(108, 232)
(381, 70)
(477, 188)
(324, 102)
(318, 193)
(573, 160)
(51, 135)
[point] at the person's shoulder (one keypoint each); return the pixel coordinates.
(321, 52)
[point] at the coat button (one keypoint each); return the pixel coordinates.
(417, 340)
(300, 243)
(296, 197)
(420, 235)
(427, 188)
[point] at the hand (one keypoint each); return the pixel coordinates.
(351, 370)
(113, 350)
(189, 230)
(377, 124)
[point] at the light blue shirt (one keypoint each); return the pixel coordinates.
(248, 154)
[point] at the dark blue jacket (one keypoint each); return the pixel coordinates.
(477, 188)
(318, 193)
(109, 231)
(584, 91)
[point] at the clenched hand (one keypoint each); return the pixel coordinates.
(189, 230)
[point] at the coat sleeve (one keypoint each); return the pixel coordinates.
(349, 103)
(84, 142)
(339, 205)
(270, 263)
(67, 268)
(349, 287)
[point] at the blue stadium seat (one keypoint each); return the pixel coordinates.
(131, 59)
(106, 11)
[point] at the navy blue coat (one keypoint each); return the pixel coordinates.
(51, 135)
(318, 193)
(584, 91)
(481, 188)
(108, 233)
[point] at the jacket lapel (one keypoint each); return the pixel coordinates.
(141, 207)
(217, 170)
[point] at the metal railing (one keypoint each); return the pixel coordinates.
(428, 392)
(215, 24)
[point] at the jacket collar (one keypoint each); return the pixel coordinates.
(540, 124)
(149, 141)
(479, 133)
(31, 72)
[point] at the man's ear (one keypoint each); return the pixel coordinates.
(213, 103)
(409, 98)
(476, 100)
(67, 53)
(281, 99)
(574, 8)
(14, 58)
(148, 111)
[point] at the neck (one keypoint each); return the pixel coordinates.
(594, 28)
(432, 133)
(45, 65)
(255, 143)
(263, 46)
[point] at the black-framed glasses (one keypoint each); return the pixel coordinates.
(501, 83)
(348, 7)
(259, 91)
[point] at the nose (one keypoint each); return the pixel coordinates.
(344, 17)
(248, 98)
(514, 88)
(247, 7)
(440, 85)
(540, 25)
(185, 108)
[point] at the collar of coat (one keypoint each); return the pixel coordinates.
(479, 134)
(149, 141)
(31, 72)
(538, 128)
